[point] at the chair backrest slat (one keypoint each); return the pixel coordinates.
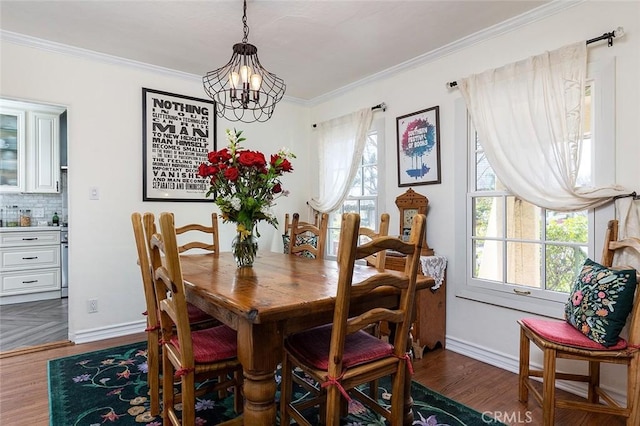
(212, 230)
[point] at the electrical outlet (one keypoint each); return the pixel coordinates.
(38, 212)
(92, 306)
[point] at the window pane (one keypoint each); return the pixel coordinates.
(485, 177)
(370, 153)
(350, 206)
(523, 219)
(368, 215)
(562, 266)
(568, 227)
(487, 220)
(523, 264)
(356, 187)
(334, 238)
(370, 184)
(487, 255)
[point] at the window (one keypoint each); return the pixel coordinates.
(515, 249)
(365, 193)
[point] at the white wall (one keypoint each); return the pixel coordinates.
(104, 101)
(481, 330)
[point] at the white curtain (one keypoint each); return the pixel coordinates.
(528, 116)
(340, 144)
(628, 215)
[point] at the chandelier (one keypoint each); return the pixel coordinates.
(242, 89)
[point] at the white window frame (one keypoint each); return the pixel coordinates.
(542, 302)
(378, 127)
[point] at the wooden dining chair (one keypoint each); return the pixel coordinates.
(306, 239)
(188, 355)
(143, 228)
(342, 356)
(196, 230)
(287, 229)
(560, 339)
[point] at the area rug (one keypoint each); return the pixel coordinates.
(109, 387)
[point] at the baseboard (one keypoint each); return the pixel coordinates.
(511, 363)
(117, 330)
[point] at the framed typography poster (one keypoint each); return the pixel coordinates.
(177, 134)
(418, 136)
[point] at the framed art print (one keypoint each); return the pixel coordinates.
(177, 134)
(418, 136)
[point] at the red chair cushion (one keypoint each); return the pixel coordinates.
(212, 344)
(564, 333)
(196, 314)
(312, 347)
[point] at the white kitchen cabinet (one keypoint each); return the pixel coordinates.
(29, 147)
(12, 150)
(29, 265)
(43, 174)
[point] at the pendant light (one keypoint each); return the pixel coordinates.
(242, 89)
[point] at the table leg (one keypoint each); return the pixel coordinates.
(259, 351)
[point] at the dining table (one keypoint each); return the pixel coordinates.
(279, 295)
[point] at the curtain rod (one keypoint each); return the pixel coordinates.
(618, 32)
(381, 106)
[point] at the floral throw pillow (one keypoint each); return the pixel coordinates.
(600, 302)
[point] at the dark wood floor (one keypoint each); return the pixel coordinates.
(29, 324)
(24, 394)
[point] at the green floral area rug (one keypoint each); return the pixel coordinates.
(110, 387)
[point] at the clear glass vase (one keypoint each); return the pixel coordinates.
(244, 249)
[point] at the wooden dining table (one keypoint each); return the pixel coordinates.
(279, 295)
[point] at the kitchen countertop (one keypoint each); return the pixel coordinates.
(29, 228)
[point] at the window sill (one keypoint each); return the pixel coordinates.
(532, 305)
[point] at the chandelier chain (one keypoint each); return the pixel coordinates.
(244, 22)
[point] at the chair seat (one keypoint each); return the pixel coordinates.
(563, 333)
(212, 344)
(312, 347)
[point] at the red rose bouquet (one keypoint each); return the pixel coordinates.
(244, 184)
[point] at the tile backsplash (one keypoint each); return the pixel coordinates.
(42, 206)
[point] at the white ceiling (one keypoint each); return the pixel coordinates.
(316, 46)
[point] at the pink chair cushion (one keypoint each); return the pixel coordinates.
(563, 333)
(312, 347)
(196, 314)
(212, 344)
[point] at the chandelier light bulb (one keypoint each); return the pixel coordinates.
(245, 72)
(256, 81)
(234, 79)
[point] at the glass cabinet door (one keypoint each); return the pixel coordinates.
(12, 150)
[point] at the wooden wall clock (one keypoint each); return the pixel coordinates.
(409, 204)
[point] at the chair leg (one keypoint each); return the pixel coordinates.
(398, 395)
(188, 399)
(523, 376)
(633, 391)
(549, 387)
(285, 391)
(333, 406)
(153, 372)
(238, 396)
(168, 398)
(594, 382)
